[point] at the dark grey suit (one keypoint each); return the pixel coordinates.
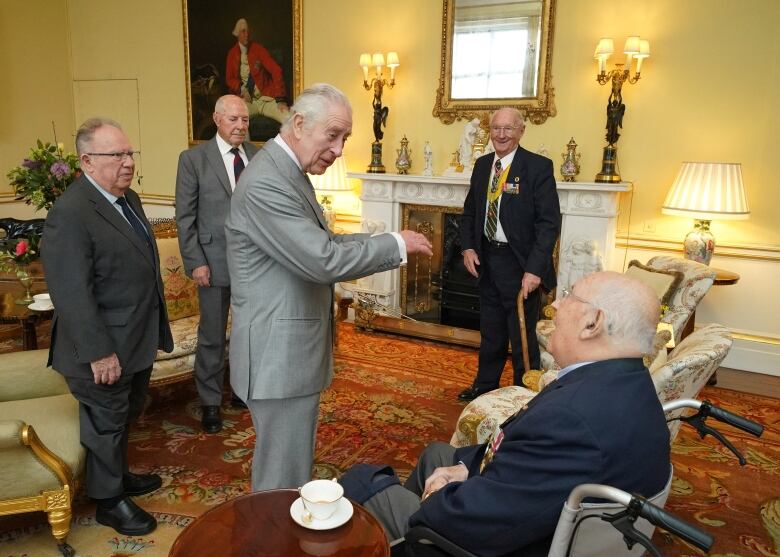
(203, 195)
(108, 297)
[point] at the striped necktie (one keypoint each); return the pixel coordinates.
(238, 163)
(491, 221)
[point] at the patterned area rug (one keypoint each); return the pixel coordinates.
(392, 396)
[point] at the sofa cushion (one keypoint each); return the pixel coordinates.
(181, 292)
(664, 282)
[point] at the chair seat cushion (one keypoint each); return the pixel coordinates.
(56, 422)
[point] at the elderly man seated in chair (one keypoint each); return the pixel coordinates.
(599, 422)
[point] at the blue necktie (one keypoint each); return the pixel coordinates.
(135, 223)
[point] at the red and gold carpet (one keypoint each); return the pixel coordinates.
(390, 397)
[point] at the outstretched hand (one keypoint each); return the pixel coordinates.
(416, 242)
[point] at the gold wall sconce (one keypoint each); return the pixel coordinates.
(377, 83)
(634, 49)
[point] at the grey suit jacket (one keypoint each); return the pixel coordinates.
(104, 283)
(202, 205)
(283, 262)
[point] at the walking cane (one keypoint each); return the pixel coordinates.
(531, 376)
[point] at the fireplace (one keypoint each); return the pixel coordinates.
(434, 297)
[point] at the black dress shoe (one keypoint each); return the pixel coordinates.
(211, 420)
(126, 518)
(140, 484)
(471, 393)
(236, 402)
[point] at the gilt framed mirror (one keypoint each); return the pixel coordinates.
(496, 53)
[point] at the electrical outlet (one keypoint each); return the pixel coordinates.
(648, 227)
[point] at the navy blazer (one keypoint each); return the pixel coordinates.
(601, 423)
(531, 218)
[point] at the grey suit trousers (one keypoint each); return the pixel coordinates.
(286, 430)
(105, 414)
(393, 506)
(210, 355)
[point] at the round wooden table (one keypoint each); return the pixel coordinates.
(13, 313)
(259, 524)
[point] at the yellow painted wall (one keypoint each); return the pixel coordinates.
(35, 84)
(709, 90)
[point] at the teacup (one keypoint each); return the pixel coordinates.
(321, 498)
(42, 299)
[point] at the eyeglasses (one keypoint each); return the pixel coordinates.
(505, 129)
(569, 294)
(120, 156)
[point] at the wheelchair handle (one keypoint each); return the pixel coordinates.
(643, 508)
(671, 523)
(718, 413)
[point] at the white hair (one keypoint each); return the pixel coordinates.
(87, 131)
(312, 104)
(631, 309)
(240, 24)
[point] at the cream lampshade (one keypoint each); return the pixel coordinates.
(706, 191)
(333, 180)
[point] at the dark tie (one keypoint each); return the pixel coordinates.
(135, 223)
(491, 221)
(238, 163)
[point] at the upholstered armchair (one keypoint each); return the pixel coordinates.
(682, 375)
(687, 283)
(41, 457)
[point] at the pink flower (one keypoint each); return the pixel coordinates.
(21, 248)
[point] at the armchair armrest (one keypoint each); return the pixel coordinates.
(26, 376)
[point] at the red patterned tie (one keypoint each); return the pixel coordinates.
(238, 163)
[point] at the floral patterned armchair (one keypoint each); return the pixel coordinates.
(683, 375)
(181, 299)
(696, 281)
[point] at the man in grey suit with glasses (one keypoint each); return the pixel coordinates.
(283, 263)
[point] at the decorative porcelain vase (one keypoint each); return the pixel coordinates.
(404, 161)
(26, 279)
(571, 162)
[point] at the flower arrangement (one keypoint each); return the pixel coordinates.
(20, 252)
(44, 175)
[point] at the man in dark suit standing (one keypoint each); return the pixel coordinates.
(511, 219)
(102, 269)
(599, 422)
(205, 182)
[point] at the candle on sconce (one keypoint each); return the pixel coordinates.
(644, 52)
(378, 61)
(392, 63)
(630, 49)
(365, 62)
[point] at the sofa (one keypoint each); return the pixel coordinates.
(41, 458)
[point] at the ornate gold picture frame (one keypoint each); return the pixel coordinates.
(212, 58)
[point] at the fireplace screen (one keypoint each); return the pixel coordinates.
(438, 289)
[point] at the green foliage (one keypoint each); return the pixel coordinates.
(44, 175)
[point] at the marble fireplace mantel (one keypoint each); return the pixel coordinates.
(589, 218)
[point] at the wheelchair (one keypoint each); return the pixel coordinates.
(626, 522)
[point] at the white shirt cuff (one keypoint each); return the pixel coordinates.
(401, 246)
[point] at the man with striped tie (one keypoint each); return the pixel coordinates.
(511, 219)
(205, 182)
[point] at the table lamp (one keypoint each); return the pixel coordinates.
(706, 191)
(333, 180)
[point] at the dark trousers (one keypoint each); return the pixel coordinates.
(210, 355)
(499, 283)
(106, 412)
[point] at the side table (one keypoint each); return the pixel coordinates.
(13, 313)
(260, 524)
(722, 278)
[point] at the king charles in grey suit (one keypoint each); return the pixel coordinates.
(103, 272)
(205, 181)
(283, 262)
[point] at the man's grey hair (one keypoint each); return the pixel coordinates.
(87, 131)
(312, 104)
(515, 112)
(631, 310)
(240, 24)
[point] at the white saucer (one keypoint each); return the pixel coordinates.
(341, 516)
(37, 306)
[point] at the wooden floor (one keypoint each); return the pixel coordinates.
(747, 382)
